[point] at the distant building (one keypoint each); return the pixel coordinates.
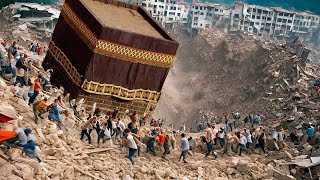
(167, 12)
(273, 22)
(43, 18)
(206, 15)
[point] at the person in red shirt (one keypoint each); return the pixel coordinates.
(36, 89)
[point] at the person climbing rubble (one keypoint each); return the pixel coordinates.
(131, 144)
(85, 127)
(166, 146)
(30, 147)
(210, 140)
(310, 132)
(184, 148)
(21, 138)
(39, 108)
(36, 89)
(54, 113)
(22, 68)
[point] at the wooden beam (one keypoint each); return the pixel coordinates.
(94, 151)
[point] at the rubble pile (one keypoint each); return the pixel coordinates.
(28, 23)
(64, 156)
(240, 73)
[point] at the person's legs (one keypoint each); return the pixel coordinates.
(88, 135)
(184, 155)
(131, 153)
(82, 133)
(209, 146)
(33, 97)
(100, 136)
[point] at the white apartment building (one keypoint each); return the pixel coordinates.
(167, 12)
(206, 15)
(272, 22)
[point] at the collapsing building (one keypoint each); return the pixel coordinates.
(41, 17)
(110, 53)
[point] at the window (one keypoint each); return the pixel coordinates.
(279, 20)
(195, 18)
(201, 13)
(284, 21)
(286, 14)
(253, 16)
(204, 8)
(258, 17)
(216, 10)
(259, 10)
(170, 19)
(291, 15)
(144, 5)
(269, 19)
(221, 10)
(196, 24)
(210, 14)
(289, 21)
(172, 13)
(254, 10)
(200, 24)
(288, 28)
(280, 14)
(200, 8)
(165, 13)
(178, 14)
(197, 7)
(207, 25)
(195, 13)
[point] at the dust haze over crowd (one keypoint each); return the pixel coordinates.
(217, 73)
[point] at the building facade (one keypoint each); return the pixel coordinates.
(167, 12)
(277, 23)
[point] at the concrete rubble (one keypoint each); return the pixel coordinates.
(276, 81)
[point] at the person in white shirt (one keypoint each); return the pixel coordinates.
(214, 135)
(131, 143)
(249, 145)
(222, 139)
(121, 125)
(242, 140)
(209, 141)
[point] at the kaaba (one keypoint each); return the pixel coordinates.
(110, 53)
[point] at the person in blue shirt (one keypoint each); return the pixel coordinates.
(30, 148)
(310, 133)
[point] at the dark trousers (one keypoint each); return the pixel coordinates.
(33, 97)
(210, 148)
(230, 125)
(150, 146)
(85, 132)
(183, 155)
(101, 136)
(166, 151)
(131, 153)
(222, 142)
(20, 80)
(243, 148)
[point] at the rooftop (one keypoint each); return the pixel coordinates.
(121, 18)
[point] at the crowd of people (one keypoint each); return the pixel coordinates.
(123, 128)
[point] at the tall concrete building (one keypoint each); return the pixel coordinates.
(168, 13)
(277, 23)
(207, 15)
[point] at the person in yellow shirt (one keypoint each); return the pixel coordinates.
(40, 108)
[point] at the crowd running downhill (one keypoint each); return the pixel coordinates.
(124, 129)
